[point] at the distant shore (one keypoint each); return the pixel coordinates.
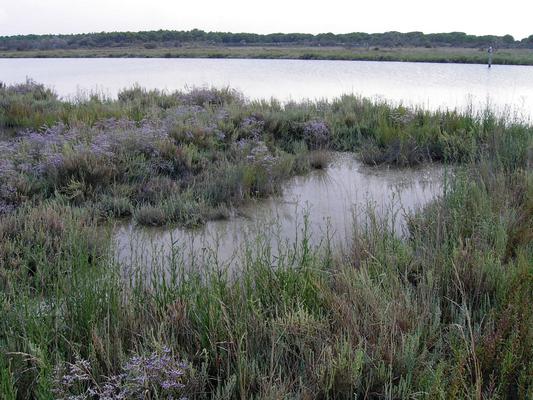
(406, 54)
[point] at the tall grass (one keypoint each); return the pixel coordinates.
(445, 312)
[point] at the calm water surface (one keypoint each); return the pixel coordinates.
(422, 84)
(326, 203)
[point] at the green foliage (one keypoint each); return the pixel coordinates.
(153, 39)
(443, 312)
(8, 390)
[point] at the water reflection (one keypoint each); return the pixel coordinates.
(323, 204)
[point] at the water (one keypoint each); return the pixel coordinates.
(328, 203)
(504, 88)
(324, 202)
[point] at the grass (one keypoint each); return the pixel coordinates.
(408, 54)
(181, 157)
(444, 312)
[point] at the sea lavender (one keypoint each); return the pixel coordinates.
(71, 378)
(159, 369)
(185, 111)
(7, 168)
(258, 153)
(316, 133)
(6, 208)
(159, 374)
(252, 127)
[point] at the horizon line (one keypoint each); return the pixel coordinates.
(259, 34)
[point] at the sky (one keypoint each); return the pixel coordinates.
(477, 17)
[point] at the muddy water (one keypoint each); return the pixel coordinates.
(323, 204)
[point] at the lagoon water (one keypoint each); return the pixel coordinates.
(323, 205)
(504, 88)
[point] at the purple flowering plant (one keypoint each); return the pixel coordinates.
(316, 133)
(158, 375)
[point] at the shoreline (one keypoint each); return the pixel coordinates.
(432, 55)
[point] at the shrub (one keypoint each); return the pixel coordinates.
(152, 216)
(117, 207)
(210, 97)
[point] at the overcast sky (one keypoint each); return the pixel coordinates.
(310, 16)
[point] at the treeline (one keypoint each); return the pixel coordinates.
(166, 38)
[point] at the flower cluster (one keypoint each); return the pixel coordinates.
(159, 375)
(159, 369)
(6, 208)
(256, 152)
(252, 127)
(193, 125)
(316, 133)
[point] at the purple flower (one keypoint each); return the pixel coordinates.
(316, 133)
(6, 208)
(160, 373)
(252, 126)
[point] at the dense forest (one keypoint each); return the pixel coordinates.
(167, 38)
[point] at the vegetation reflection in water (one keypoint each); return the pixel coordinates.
(323, 203)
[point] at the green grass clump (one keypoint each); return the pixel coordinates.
(36, 241)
